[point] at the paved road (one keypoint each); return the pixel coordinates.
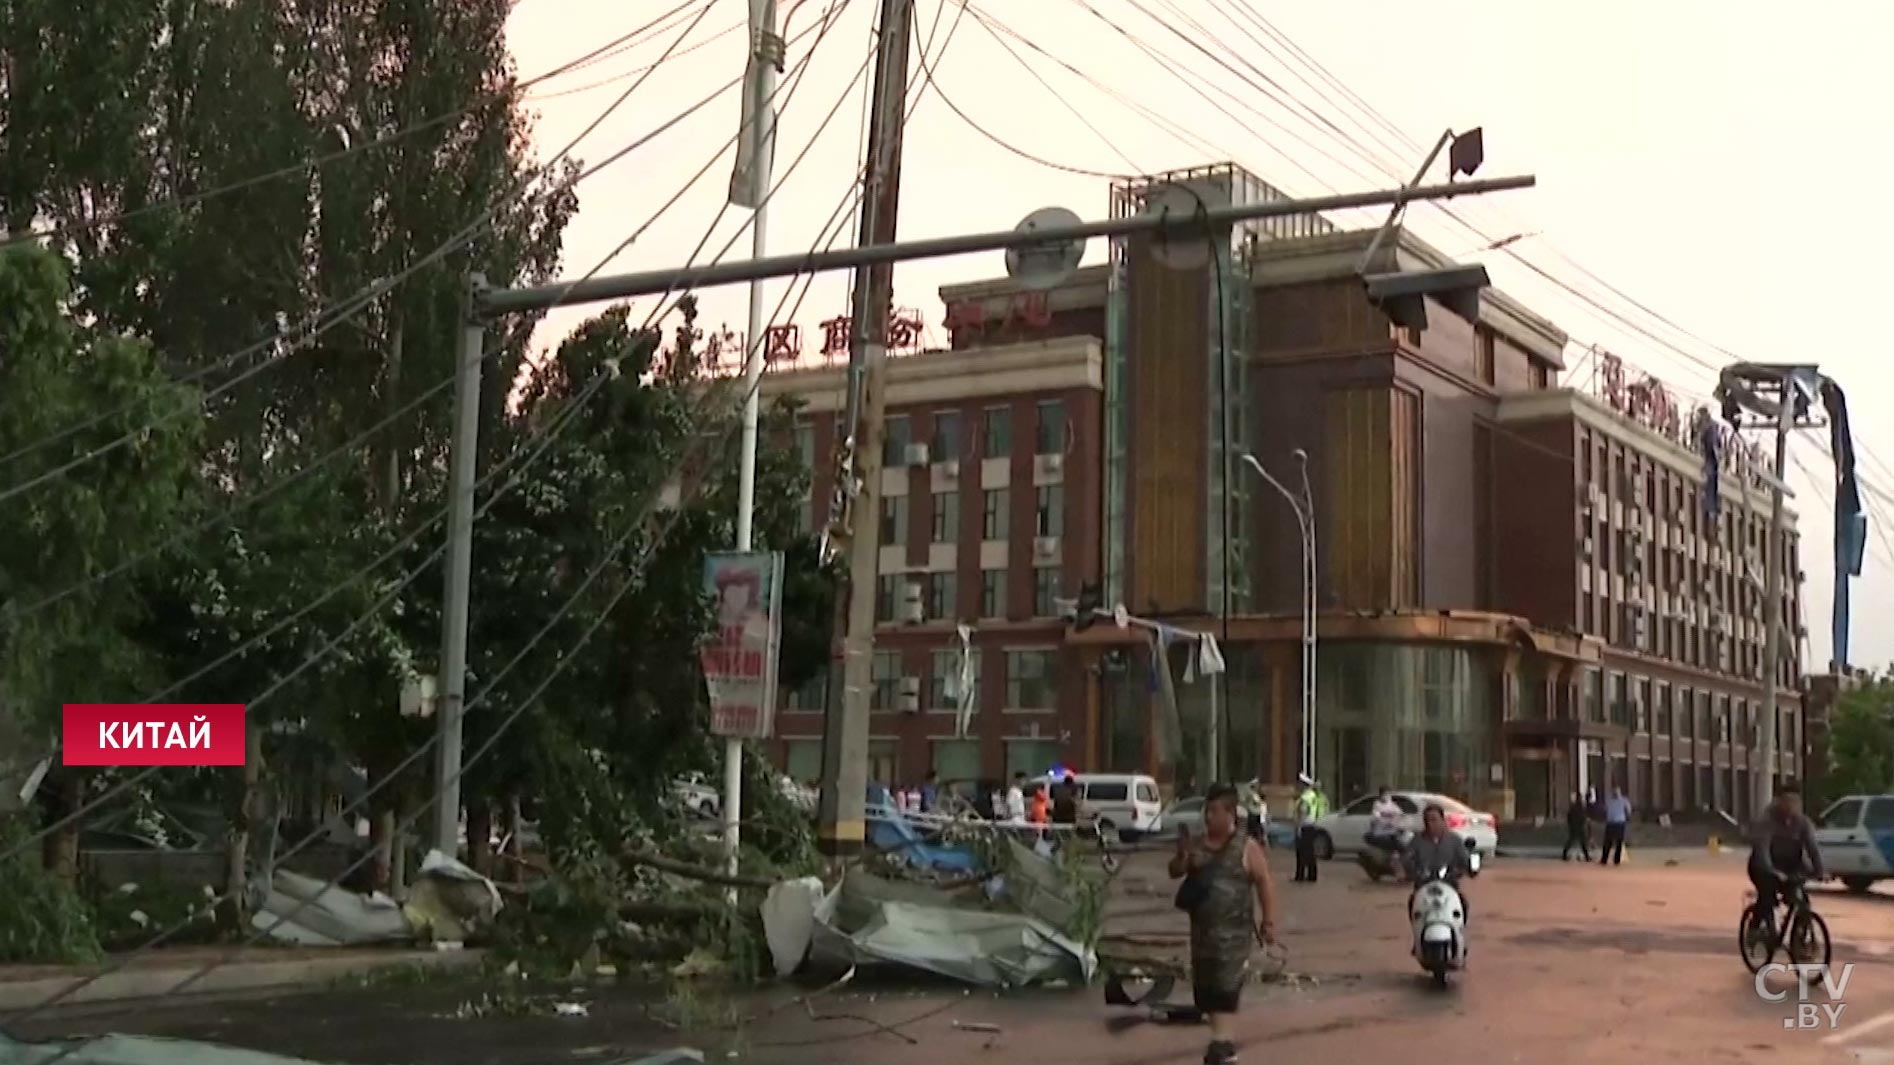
(1574, 964)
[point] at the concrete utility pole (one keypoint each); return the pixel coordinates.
(845, 727)
(468, 355)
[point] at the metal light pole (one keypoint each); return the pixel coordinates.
(749, 187)
(1305, 523)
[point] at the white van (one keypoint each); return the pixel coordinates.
(1125, 805)
(1856, 835)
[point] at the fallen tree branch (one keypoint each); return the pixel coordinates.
(693, 872)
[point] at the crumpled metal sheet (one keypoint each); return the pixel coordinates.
(868, 920)
(134, 1050)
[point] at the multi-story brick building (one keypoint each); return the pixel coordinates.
(991, 479)
(1518, 590)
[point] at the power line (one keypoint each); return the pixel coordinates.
(361, 300)
(481, 752)
(440, 513)
(623, 41)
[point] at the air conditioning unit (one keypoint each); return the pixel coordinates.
(948, 469)
(1045, 549)
(912, 596)
(1052, 465)
(1585, 549)
(915, 455)
(908, 694)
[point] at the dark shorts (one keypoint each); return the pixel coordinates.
(1211, 991)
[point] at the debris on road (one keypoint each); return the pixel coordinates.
(978, 1026)
(450, 903)
(134, 1050)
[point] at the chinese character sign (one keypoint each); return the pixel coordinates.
(741, 658)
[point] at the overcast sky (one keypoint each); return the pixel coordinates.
(1699, 157)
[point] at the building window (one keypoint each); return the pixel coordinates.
(812, 696)
(946, 435)
(943, 689)
(894, 450)
(1641, 708)
(1483, 346)
(997, 434)
(1440, 683)
(943, 600)
(1591, 695)
(958, 763)
(884, 762)
(887, 667)
(1618, 701)
(1045, 592)
(894, 520)
(995, 515)
(1662, 710)
(805, 513)
(887, 596)
(1029, 680)
(1051, 510)
(1051, 439)
(1035, 758)
(805, 444)
(1541, 376)
(802, 760)
(993, 593)
(946, 517)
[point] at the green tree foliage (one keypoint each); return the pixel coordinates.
(70, 519)
(1861, 740)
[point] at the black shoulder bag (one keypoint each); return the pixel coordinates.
(1195, 889)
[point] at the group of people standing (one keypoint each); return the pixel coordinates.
(1614, 811)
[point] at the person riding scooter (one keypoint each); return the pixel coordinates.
(1384, 830)
(1436, 854)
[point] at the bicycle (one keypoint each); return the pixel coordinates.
(1806, 938)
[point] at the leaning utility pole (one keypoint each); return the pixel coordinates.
(845, 727)
(469, 352)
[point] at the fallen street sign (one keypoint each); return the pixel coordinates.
(740, 660)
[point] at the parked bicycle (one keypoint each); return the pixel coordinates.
(1798, 929)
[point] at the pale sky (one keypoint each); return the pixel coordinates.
(1696, 155)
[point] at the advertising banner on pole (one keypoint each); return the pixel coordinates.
(741, 658)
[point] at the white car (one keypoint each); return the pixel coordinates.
(1187, 815)
(1856, 835)
(1342, 832)
(697, 797)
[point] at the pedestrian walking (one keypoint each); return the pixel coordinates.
(1016, 799)
(1041, 805)
(930, 793)
(1308, 811)
(1577, 829)
(1258, 812)
(1232, 905)
(1617, 819)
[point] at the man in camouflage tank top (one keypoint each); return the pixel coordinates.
(1235, 909)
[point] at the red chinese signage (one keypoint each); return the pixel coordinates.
(1026, 311)
(1646, 402)
(786, 344)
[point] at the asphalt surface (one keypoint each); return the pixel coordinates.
(1572, 964)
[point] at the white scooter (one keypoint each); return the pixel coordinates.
(1439, 919)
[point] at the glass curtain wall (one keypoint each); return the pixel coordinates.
(1404, 716)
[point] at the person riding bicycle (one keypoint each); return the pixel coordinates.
(1782, 847)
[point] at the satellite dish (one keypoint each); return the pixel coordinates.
(1048, 263)
(1187, 247)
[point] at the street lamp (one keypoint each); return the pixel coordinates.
(1304, 508)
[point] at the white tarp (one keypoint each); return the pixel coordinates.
(866, 920)
(335, 917)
